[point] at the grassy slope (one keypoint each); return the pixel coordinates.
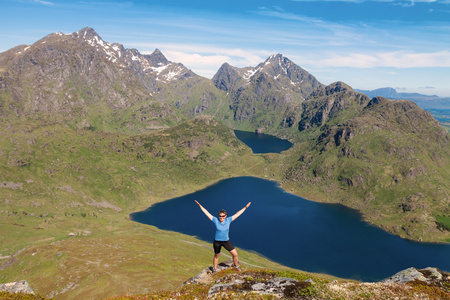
(56, 181)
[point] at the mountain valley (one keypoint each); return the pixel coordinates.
(91, 132)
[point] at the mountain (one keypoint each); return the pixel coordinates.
(88, 83)
(267, 96)
(389, 159)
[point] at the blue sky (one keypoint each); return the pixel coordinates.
(366, 44)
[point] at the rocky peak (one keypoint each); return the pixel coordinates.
(227, 77)
(377, 100)
(157, 58)
(87, 34)
(277, 85)
(331, 89)
(276, 64)
(154, 65)
(283, 70)
(277, 67)
(338, 87)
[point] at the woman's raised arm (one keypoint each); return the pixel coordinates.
(234, 217)
(204, 211)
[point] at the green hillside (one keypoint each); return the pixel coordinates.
(66, 196)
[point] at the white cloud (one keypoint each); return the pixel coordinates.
(205, 60)
(397, 59)
(43, 2)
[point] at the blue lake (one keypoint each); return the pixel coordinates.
(263, 143)
(295, 232)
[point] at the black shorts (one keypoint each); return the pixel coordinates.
(226, 244)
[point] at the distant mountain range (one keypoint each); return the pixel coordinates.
(386, 158)
(424, 101)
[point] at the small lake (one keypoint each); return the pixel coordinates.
(290, 230)
(263, 143)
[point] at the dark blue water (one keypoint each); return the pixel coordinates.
(442, 115)
(263, 143)
(295, 232)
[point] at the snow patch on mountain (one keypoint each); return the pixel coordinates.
(247, 75)
(161, 68)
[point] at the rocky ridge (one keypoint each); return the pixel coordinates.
(91, 83)
(230, 283)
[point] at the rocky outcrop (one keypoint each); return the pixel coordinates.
(428, 276)
(17, 287)
(330, 102)
(243, 282)
(280, 287)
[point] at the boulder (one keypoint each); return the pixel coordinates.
(17, 287)
(430, 276)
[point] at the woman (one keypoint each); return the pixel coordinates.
(221, 238)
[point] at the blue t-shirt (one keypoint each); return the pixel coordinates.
(222, 229)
